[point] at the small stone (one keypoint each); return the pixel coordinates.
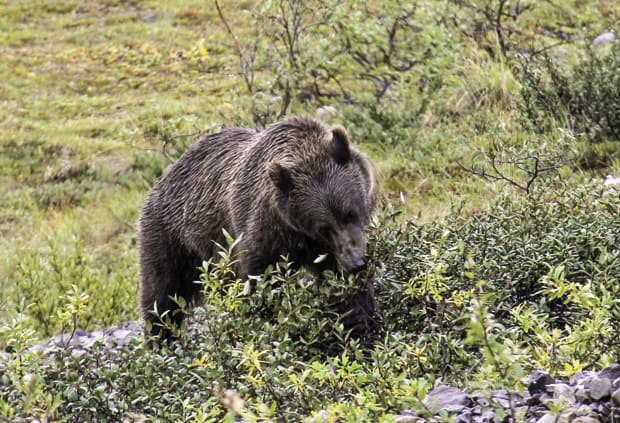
(581, 378)
(604, 38)
(538, 381)
(323, 415)
(615, 396)
(122, 336)
(151, 17)
(583, 411)
(445, 396)
(404, 418)
(501, 402)
(520, 413)
(548, 418)
(464, 417)
(586, 419)
(599, 388)
(611, 372)
(488, 417)
(616, 383)
(480, 399)
(563, 393)
(580, 394)
(453, 408)
(326, 113)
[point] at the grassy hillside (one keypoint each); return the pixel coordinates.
(461, 105)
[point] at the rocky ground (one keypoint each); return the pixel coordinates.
(587, 397)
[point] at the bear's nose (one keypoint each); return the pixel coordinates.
(356, 265)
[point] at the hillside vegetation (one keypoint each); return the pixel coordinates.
(492, 125)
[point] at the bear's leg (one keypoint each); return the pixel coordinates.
(170, 272)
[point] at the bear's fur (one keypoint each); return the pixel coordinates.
(296, 189)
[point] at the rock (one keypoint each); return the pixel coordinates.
(611, 372)
(444, 397)
(538, 381)
(581, 378)
(598, 388)
(323, 416)
(464, 417)
(548, 418)
(501, 398)
(488, 417)
(151, 17)
(480, 399)
(586, 419)
(563, 393)
(615, 397)
(583, 411)
(453, 408)
(616, 383)
(405, 418)
(581, 395)
(326, 113)
(604, 39)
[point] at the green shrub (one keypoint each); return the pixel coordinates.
(528, 259)
(479, 299)
(583, 99)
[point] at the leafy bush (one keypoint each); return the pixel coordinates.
(479, 299)
(66, 263)
(542, 263)
(584, 99)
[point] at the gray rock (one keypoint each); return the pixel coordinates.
(615, 397)
(604, 39)
(453, 408)
(581, 378)
(611, 372)
(538, 381)
(405, 418)
(322, 415)
(563, 393)
(445, 396)
(501, 402)
(616, 383)
(488, 417)
(326, 113)
(598, 388)
(464, 417)
(581, 395)
(548, 418)
(586, 419)
(151, 17)
(583, 411)
(480, 399)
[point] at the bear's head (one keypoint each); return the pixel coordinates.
(329, 198)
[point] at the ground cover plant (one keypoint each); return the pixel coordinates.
(492, 125)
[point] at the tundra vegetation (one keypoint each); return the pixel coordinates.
(492, 125)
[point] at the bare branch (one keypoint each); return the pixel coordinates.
(243, 64)
(531, 166)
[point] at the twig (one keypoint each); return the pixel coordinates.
(242, 62)
(520, 163)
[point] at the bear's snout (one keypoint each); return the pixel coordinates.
(351, 248)
(355, 265)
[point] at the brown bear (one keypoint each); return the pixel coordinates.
(296, 189)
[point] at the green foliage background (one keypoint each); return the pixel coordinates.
(479, 279)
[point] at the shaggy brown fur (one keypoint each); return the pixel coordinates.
(296, 189)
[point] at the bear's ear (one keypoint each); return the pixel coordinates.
(338, 148)
(280, 176)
